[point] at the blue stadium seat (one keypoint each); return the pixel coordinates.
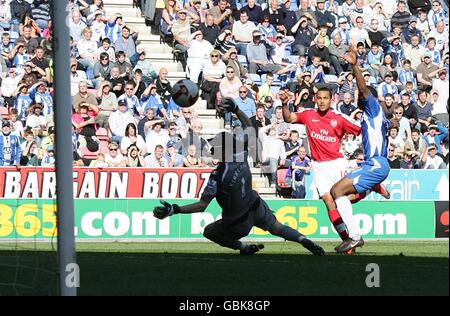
(293, 59)
(243, 60)
(255, 78)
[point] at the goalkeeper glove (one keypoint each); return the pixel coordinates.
(229, 106)
(166, 210)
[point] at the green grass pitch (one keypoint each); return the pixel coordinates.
(203, 269)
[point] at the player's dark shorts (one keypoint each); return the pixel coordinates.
(260, 215)
(369, 174)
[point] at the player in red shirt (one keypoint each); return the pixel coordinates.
(325, 129)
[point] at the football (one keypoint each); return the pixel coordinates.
(185, 93)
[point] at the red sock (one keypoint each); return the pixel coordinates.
(379, 189)
(338, 223)
(359, 197)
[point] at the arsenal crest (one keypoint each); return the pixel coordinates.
(333, 123)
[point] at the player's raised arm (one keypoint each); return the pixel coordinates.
(350, 57)
(287, 115)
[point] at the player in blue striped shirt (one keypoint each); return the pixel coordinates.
(375, 168)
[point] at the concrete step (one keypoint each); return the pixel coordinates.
(118, 3)
(171, 67)
(155, 48)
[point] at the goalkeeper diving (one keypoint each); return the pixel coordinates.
(231, 184)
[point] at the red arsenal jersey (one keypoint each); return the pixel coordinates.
(325, 132)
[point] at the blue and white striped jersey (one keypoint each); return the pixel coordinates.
(374, 129)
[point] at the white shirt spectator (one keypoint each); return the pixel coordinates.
(9, 84)
(272, 147)
(126, 142)
(114, 161)
(118, 122)
(75, 79)
(34, 121)
(87, 47)
(441, 38)
(435, 162)
(152, 139)
(152, 162)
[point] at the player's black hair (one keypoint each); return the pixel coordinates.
(322, 89)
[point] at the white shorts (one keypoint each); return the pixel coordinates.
(327, 173)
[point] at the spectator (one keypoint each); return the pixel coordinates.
(406, 74)
(76, 77)
(87, 49)
(181, 30)
(415, 146)
(410, 161)
(404, 129)
(133, 157)
(107, 104)
(273, 152)
(76, 26)
(434, 138)
(29, 154)
(401, 16)
(431, 160)
(305, 11)
(274, 13)
(28, 21)
(126, 42)
(163, 86)
(414, 51)
(254, 11)
(409, 111)
(393, 160)
(300, 166)
(224, 43)
(36, 121)
(133, 105)
(198, 55)
(157, 135)
(441, 36)
(379, 22)
(132, 138)
(396, 140)
(102, 69)
(292, 146)
(346, 106)
(173, 158)
(169, 15)
(114, 158)
(365, 12)
(337, 51)
(190, 160)
(118, 120)
(425, 72)
(359, 33)
(222, 14)
(387, 86)
(411, 31)
(243, 32)
(210, 30)
(231, 60)
(389, 105)
(435, 15)
(156, 160)
(113, 28)
(347, 85)
(438, 106)
(48, 160)
(431, 48)
(123, 65)
(83, 95)
(117, 82)
(213, 73)
(441, 84)
(99, 162)
(230, 84)
(343, 30)
(422, 23)
(319, 50)
(10, 151)
(423, 108)
(150, 99)
(106, 48)
(304, 35)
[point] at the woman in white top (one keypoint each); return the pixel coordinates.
(198, 55)
(87, 48)
(131, 137)
(213, 73)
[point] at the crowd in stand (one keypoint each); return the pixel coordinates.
(123, 113)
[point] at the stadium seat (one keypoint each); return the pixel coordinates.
(331, 78)
(4, 112)
(255, 78)
(86, 153)
(243, 60)
(274, 89)
(102, 134)
(293, 59)
(104, 147)
(276, 79)
(283, 189)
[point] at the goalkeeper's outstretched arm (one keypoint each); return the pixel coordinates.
(168, 209)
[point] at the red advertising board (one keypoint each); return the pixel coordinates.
(94, 183)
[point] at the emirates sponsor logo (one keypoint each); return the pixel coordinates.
(329, 139)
